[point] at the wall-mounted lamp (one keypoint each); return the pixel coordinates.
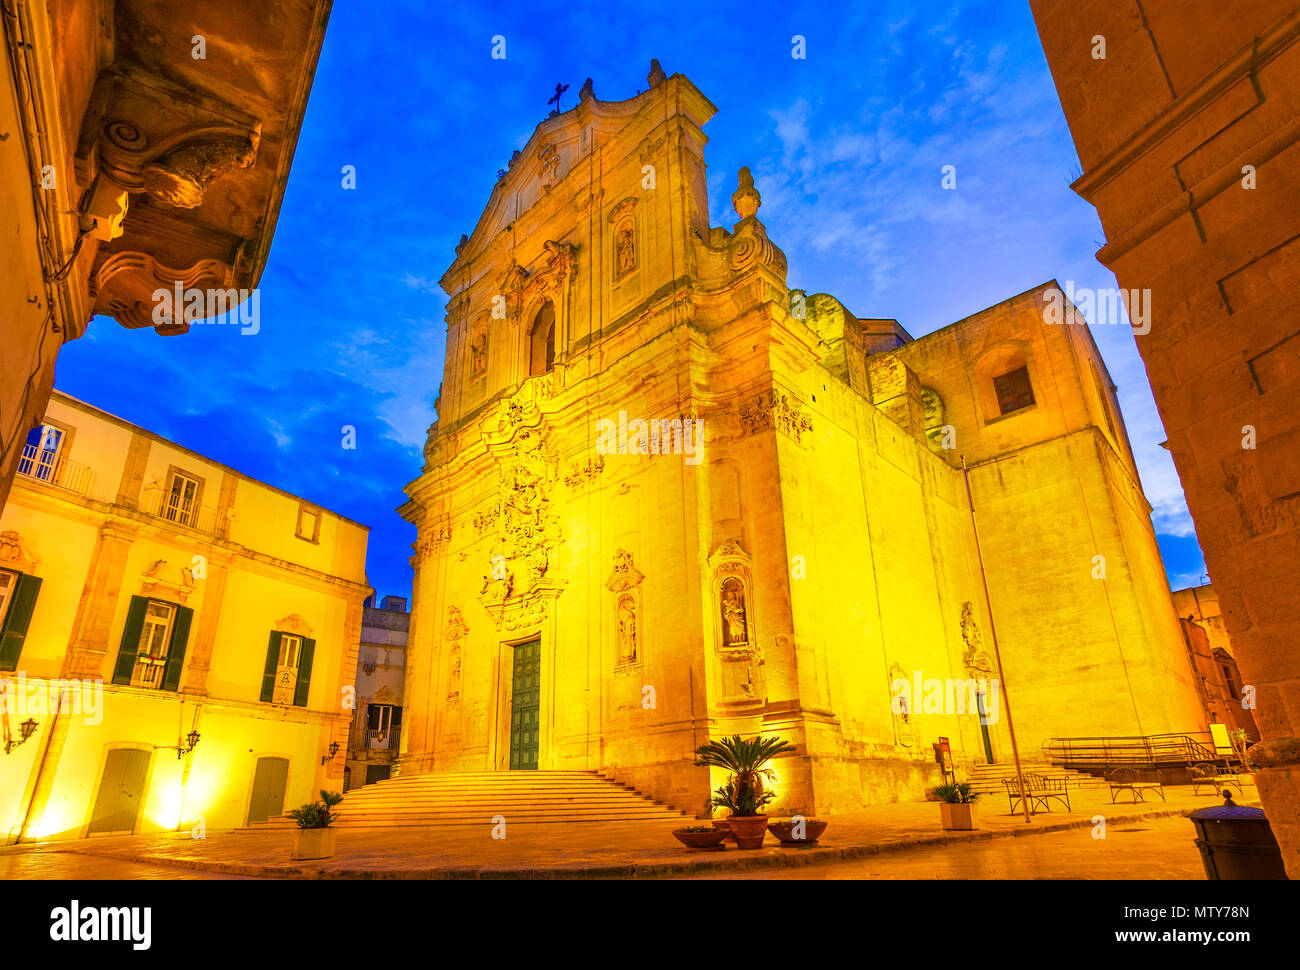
(191, 739)
(334, 749)
(28, 728)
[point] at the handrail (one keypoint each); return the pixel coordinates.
(1149, 750)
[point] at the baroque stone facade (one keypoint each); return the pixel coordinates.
(796, 535)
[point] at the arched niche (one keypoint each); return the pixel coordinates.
(541, 341)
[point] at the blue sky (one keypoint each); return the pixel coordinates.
(846, 147)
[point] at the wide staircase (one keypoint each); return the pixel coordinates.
(476, 797)
(987, 779)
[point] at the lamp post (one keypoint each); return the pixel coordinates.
(993, 633)
(334, 749)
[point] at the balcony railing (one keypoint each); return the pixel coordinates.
(390, 741)
(40, 465)
(148, 671)
(45, 466)
(202, 519)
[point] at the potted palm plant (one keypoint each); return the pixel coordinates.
(744, 793)
(957, 808)
(313, 838)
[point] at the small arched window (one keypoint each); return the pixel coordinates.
(541, 342)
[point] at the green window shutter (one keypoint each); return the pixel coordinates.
(268, 672)
(130, 640)
(304, 672)
(14, 631)
(176, 649)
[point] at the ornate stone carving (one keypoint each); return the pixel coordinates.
(548, 158)
(974, 658)
(652, 149)
(14, 553)
(656, 75)
(748, 245)
(293, 623)
(456, 625)
(126, 282)
(773, 410)
(522, 288)
(733, 596)
(176, 169)
(434, 536)
(585, 473)
(453, 673)
(164, 579)
(624, 583)
(625, 575)
(181, 176)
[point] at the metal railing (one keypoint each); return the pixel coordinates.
(41, 465)
(203, 519)
(1144, 751)
(391, 740)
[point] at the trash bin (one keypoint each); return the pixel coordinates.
(1236, 842)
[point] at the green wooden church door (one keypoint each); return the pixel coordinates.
(525, 708)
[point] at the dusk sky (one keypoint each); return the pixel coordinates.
(846, 146)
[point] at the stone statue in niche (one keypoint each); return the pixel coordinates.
(478, 353)
(627, 632)
(624, 248)
(735, 624)
(453, 687)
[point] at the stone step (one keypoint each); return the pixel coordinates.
(472, 798)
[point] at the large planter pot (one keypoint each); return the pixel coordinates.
(959, 816)
(711, 839)
(312, 843)
(724, 825)
(749, 830)
(813, 829)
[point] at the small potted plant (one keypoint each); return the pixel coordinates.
(957, 808)
(798, 832)
(700, 836)
(313, 838)
(744, 793)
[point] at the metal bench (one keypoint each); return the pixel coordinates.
(1041, 790)
(1134, 781)
(1215, 776)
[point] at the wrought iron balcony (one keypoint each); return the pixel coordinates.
(39, 464)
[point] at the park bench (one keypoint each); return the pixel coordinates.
(1134, 781)
(1041, 791)
(1216, 776)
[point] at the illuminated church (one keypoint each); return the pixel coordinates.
(582, 606)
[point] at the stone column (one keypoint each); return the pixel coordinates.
(99, 598)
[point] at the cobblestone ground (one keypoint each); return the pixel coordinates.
(1150, 849)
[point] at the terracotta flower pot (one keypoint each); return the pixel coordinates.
(750, 830)
(960, 816)
(813, 829)
(312, 843)
(724, 825)
(701, 840)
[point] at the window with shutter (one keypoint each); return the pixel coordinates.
(18, 593)
(153, 644)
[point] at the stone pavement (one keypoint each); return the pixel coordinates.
(636, 849)
(1160, 848)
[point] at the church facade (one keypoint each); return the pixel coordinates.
(669, 498)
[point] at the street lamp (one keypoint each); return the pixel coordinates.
(334, 749)
(192, 739)
(27, 729)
